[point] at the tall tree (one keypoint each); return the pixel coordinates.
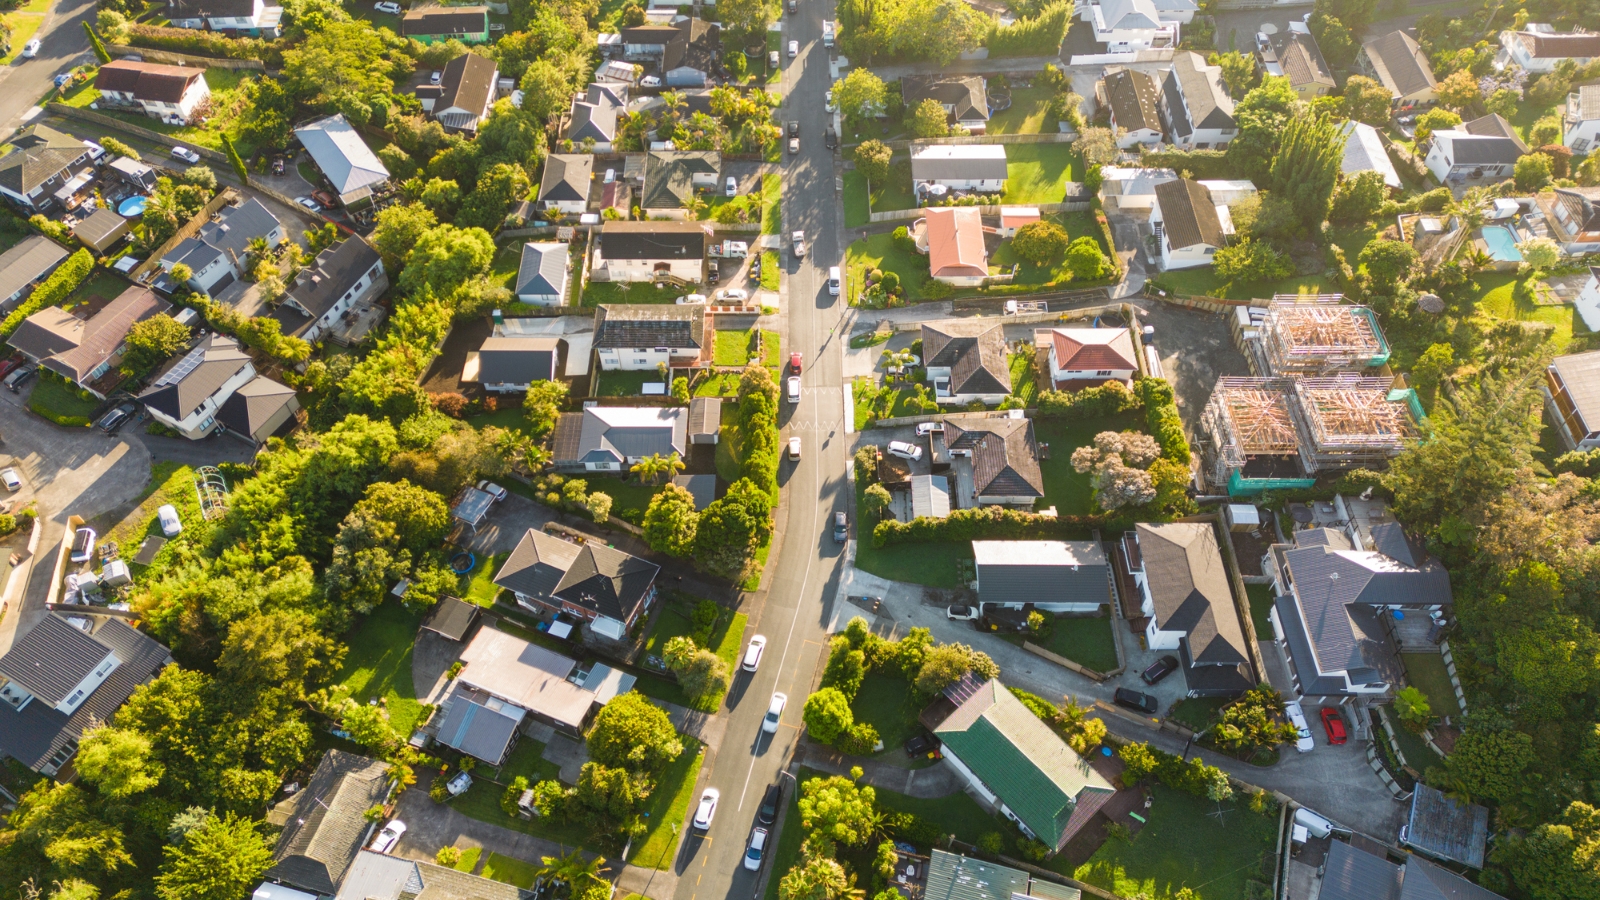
(117, 761)
(631, 732)
(670, 521)
(1306, 168)
(339, 68)
(221, 860)
(860, 95)
(1238, 70)
(1262, 115)
(747, 18)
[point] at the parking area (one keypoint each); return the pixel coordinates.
(1195, 349)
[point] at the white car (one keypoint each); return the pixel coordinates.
(774, 713)
(736, 294)
(392, 9)
(309, 204)
(904, 450)
(1297, 718)
(794, 449)
(691, 299)
(388, 837)
(650, 81)
(13, 481)
(31, 48)
(172, 526)
(707, 809)
(926, 428)
(434, 77)
(752, 854)
(959, 613)
(792, 388)
(794, 49)
(493, 490)
(828, 104)
(459, 784)
(800, 244)
(752, 653)
(794, 145)
(185, 154)
(732, 187)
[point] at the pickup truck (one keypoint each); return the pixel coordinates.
(729, 250)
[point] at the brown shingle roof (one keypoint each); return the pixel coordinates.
(974, 352)
(147, 81)
(75, 347)
(1400, 64)
(1188, 214)
(1005, 455)
(1132, 97)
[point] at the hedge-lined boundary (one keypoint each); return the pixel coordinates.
(61, 283)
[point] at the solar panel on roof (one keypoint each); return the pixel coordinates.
(959, 692)
(183, 368)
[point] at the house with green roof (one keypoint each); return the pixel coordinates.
(1014, 761)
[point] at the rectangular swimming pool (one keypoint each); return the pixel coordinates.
(1502, 243)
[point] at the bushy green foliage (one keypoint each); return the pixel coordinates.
(1040, 35)
(981, 523)
(54, 289)
(827, 715)
(1161, 417)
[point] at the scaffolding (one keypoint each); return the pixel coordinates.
(1249, 417)
(1349, 421)
(1320, 335)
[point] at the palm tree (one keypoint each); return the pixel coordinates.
(652, 468)
(571, 869)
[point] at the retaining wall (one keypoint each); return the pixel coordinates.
(183, 59)
(155, 137)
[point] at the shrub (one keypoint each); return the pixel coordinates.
(8, 524)
(912, 828)
(846, 668)
(450, 403)
(860, 740)
(1161, 416)
(704, 619)
(992, 842)
(984, 523)
(201, 43)
(1108, 399)
(61, 283)
(508, 800)
(901, 237)
(1039, 36)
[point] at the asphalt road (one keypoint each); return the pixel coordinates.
(797, 609)
(62, 46)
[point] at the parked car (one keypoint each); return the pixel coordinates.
(713, 272)
(774, 713)
(1130, 699)
(327, 200)
(171, 525)
(752, 653)
(799, 238)
(31, 48)
(390, 835)
(960, 613)
(735, 295)
(752, 854)
(794, 362)
(435, 76)
(10, 363)
(792, 6)
(83, 545)
(309, 204)
(11, 479)
(691, 299)
(794, 145)
(1333, 724)
(792, 388)
(828, 101)
(493, 490)
(731, 189)
(926, 428)
(921, 745)
(392, 9)
(185, 154)
(794, 128)
(794, 49)
(18, 376)
(115, 419)
(707, 810)
(1297, 718)
(772, 60)
(1159, 669)
(767, 812)
(841, 527)
(904, 450)
(650, 81)
(459, 784)
(794, 449)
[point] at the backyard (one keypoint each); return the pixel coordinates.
(623, 382)
(1086, 640)
(1260, 605)
(378, 664)
(1077, 225)
(734, 347)
(1067, 490)
(1025, 115)
(629, 496)
(477, 586)
(1427, 673)
(1498, 298)
(893, 193)
(598, 292)
(228, 100)
(1038, 173)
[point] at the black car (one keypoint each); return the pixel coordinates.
(794, 128)
(921, 745)
(18, 376)
(1160, 669)
(115, 419)
(713, 272)
(1136, 701)
(768, 812)
(830, 139)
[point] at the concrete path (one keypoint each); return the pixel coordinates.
(931, 783)
(1129, 246)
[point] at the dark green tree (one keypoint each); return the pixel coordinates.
(1306, 168)
(239, 168)
(99, 47)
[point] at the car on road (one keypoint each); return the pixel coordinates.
(794, 128)
(707, 810)
(794, 49)
(794, 449)
(18, 376)
(830, 139)
(800, 244)
(904, 450)
(390, 835)
(828, 102)
(493, 490)
(752, 853)
(111, 421)
(459, 784)
(767, 812)
(650, 81)
(926, 428)
(921, 745)
(691, 299)
(392, 9)
(309, 204)
(774, 713)
(736, 295)
(1333, 724)
(841, 527)
(792, 6)
(794, 145)
(1130, 699)
(732, 187)
(185, 154)
(171, 525)
(960, 613)
(1159, 669)
(794, 362)
(1297, 718)
(31, 48)
(752, 653)
(11, 479)
(792, 388)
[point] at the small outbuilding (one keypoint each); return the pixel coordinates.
(101, 231)
(451, 618)
(702, 487)
(471, 507)
(1446, 829)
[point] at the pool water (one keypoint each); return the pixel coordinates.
(1502, 243)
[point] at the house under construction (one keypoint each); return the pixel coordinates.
(1320, 335)
(1277, 433)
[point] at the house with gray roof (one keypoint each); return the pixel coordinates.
(1396, 61)
(1294, 54)
(343, 157)
(1572, 385)
(25, 265)
(1194, 104)
(965, 98)
(634, 337)
(966, 361)
(705, 420)
(542, 274)
(344, 277)
(216, 254)
(1486, 148)
(1190, 226)
(1016, 763)
(613, 438)
(1538, 48)
(187, 391)
(464, 95)
(593, 116)
(1580, 119)
(671, 177)
(950, 876)
(1053, 576)
(651, 251)
(961, 167)
(588, 580)
(995, 461)
(512, 364)
(1446, 829)
(379, 876)
(1186, 598)
(40, 163)
(565, 185)
(1356, 873)
(1127, 26)
(1364, 152)
(65, 675)
(262, 408)
(325, 824)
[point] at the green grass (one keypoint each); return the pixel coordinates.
(1086, 640)
(1205, 282)
(943, 564)
(957, 814)
(1069, 491)
(769, 270)
(468, 860)
(507, 262)
(772, 206)
(1419, 755)
(228, 102)
(510, 871)
(1427, 673)
(379, 664)
(1197, 712)
(668, 804)
(891, 194)
(885, 703)
(509, 416)
(527, 760)
(23, 27)
(717, 384)
(1023, 383)
(1077, 225)
(774, 42)
(1260, 605)
(477, 586)
(482, 802)
(626, 495)
(727, 636)
(870, 339)
(1497, 298)
(624, 382)
(101, 287)
(856, 210)
(771, 348)
(598, 292)
(169, 483)
(1025, 115)
(733, 347)
(62, 403)
(879, 251)
(1038, 173)
(874, 402)
(1184, 845)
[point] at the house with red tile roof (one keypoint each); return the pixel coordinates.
(956, 253)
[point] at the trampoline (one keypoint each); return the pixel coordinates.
(133, 206)
(462, 563)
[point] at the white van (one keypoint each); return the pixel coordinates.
(833, 280)
(1317, 825)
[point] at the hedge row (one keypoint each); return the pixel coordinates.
(1108, 399)
(1200, 164)
(1039, 36)
(63, 421)
(1161, 416)
(984, 523)
(61, 283)
(202, 43)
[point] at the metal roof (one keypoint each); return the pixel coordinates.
(1446, 829)
(1041, 571)
(341, 154)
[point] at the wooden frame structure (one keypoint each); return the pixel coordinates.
(1319, 335)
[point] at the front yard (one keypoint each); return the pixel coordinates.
(598, 292)
(941, 564)
(734, 347)
(1077, 225)
(228, 100)
(878, 251)
(1067, 490)
(1086, 640)
(62, 403)
(886, 703)
(727, 637)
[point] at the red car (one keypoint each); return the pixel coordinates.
(6, 365)
(1333, 724)
(327, 200)
(794, 362)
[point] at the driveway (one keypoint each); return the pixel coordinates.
(1195, 348)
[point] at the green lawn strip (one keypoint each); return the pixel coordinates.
(870, 339)
(774, 42)
(482, 802)
(507, 262)
(1196, 712)
(757, 567)
(1205, 282)
(1185, 844)
(1067, 490)
(1419, 755)
(1260, 605)
(732, 347)
(1023, 382)
(1086, 640)
(769, 269)
(477, 586)
(771, 348)
(772, 205)
(957, 814)
(598, 292)
(61, 403)
(717, 384)
(626, 495)
(1498, 298)
(468, 860)
(1427, 673)
(1038, 173)
(23, 27)
(879, 252)
(937, 564)
(856, 211)
(507, 870)
(509, 415)
(624, 382)
(727, 462)
(379, 663)
(668, 804)
(786, 852)
(1025, 115)
(885, 703)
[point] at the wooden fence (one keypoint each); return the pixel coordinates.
(183, 59)
(184, 232)
(1062, 137)
(156, 137)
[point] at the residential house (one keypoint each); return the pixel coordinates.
(1186, 597)
(955, 246)
(1580, 119)
(25, 265)
(613, 438)
(452, 618)
(343, 158)
(948, 875)
(1190, 227)
(590, 581)
(1179, 11)
(65, 675)
(379, 876)
(1087, 357)
(1572, 215)
(186, 392)
(1588, 301)
(542, 274)
(672, 178)
(1294, 54)
(649, 251)
(325, 824)
(1397, 62)
(966, 361)
(512, 364)
(101, 230)
(1015, 762)
(686, 51)
(1126, 26)
(965, 98)
(344, 276)
(1131, 187)
(1351, 872)
(1194, 104)
(241, 18)
(1335, 593)
(1483, 148)
(1537, 49)
(1571, 392)
(959, 167)
(464, 95)
(171, 94)
(435, 24)
(41, 161)
(565, 185)
(1052, 576)
(1130, 97)
(1364, 152)
(1446, 829)
(82, 350)
(216, 255)
(592, 121)
(996, 461)
(262, 408)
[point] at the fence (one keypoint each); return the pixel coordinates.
(899, 215)
(184, 59)
(906, 144)
(1065, 663)
(184, 232)
(155, 137)
(1205, 304)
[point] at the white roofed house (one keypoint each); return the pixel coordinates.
(1588, 302)
(596, 583)
(340, 282)
(464, 95)
(1130, 97)
(1053, 576)
(242, 18)
(172, 94)
(1125, 26)
(565, 185)
(1124, 188)
(542, 275)
(216, 254)
(1539, 48)
(343, 157)
(960, 167)
(1396, 61)
(1189, 226)
(1195, 107)
(1364, 152)
(1580, 119)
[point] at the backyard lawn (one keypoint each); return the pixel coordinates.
(598, 292)
(1025, 115)
(727, 636)
(1498, 299)
(943, 564)
(629, 497)
(1427, 673)
(1038, 173)
(1023, 383)
(885, 703)
(508, 870)
(507, 261)
(1067, 490)
(477, 586)
(733, 347)
(1260, 604)
(1186, 844)
(1205, 282)
(1086, 640)
(99, 288)
(891, 194)
(61, 403)
(624, 382)
(1077, 225)
(379, 665)
(717, 384)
